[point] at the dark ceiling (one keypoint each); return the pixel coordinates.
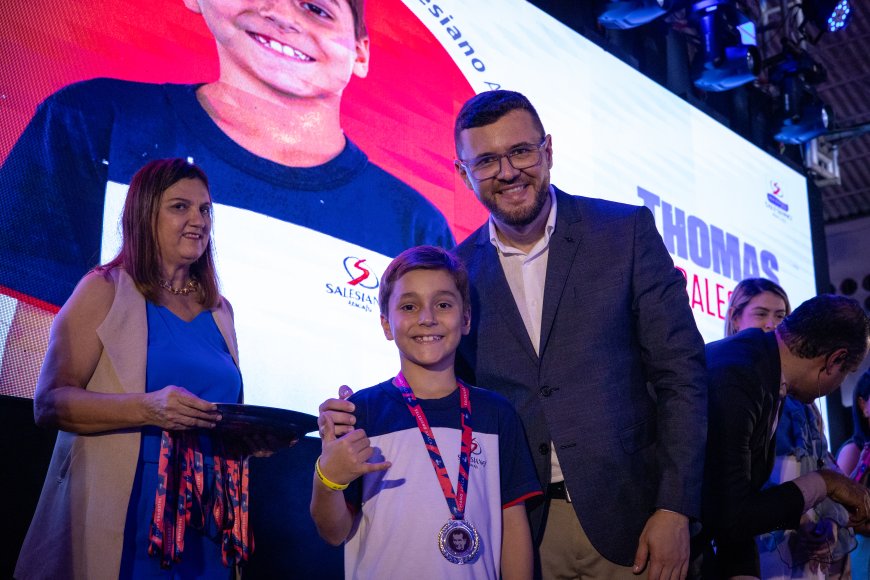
(846, 56)
(753, 110)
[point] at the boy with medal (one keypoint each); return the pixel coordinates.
(434, 473)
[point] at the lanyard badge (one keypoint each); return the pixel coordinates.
(458, 540)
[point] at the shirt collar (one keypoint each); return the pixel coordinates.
(548, 230)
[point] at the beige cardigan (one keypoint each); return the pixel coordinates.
(78, 529)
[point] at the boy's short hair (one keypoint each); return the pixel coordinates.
(488, 107)
(423, 258)
(824, 324)
(358, 9)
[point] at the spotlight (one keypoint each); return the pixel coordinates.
(813, 120)
(804, 115)
(832, 15)
(631, 14)
(724, 62)
(740, 64)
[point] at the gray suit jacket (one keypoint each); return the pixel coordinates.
(619, 386)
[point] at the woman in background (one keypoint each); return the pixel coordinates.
(756, 303)
(854, 459)
(137, 358)
(819, 548)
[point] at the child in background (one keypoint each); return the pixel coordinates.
(268, 133)
(853, 458)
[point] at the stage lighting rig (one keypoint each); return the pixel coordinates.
(830, 15)
(633, 13)
(812, 120)
(821, 160)
(724, 61)
(804, 115)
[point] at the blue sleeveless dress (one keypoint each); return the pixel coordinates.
(195, 356)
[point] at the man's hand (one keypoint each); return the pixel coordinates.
(339, 411)
(853, 496)
(665, 544)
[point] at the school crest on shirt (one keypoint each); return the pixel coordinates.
(477, 459)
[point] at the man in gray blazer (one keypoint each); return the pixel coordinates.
(580, 318)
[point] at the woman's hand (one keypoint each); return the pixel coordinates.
(175, 408)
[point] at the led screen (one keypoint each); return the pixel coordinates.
(300, 263)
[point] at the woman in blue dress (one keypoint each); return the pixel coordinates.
(138, 357)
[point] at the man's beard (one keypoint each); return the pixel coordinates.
(522, 216)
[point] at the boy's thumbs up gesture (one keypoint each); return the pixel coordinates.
(345, 458)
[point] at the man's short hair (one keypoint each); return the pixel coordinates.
(824, 324)
(490, 106)
(423, 258)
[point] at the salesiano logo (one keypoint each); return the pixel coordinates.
(775, 196)
(360, 275)
(359, 288)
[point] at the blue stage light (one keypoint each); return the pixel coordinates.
(814, 120)
(740, 65)
(633, 13)
(725, 61)
(804, 116)
(840, 16)
(831, 15)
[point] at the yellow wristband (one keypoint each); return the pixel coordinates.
(330, 484)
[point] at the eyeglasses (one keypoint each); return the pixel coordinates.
(488, 166)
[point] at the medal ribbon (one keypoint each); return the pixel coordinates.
(181, 500)
(455, 501)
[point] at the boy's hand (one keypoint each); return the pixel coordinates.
(339, 411)
(344, 459)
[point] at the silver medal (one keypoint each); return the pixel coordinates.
(459, 541)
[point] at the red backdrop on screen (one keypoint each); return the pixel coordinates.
(401, 114)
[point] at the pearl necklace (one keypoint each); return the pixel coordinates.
(189, 288)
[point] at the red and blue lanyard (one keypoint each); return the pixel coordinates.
(179, 500)
(455, 501)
